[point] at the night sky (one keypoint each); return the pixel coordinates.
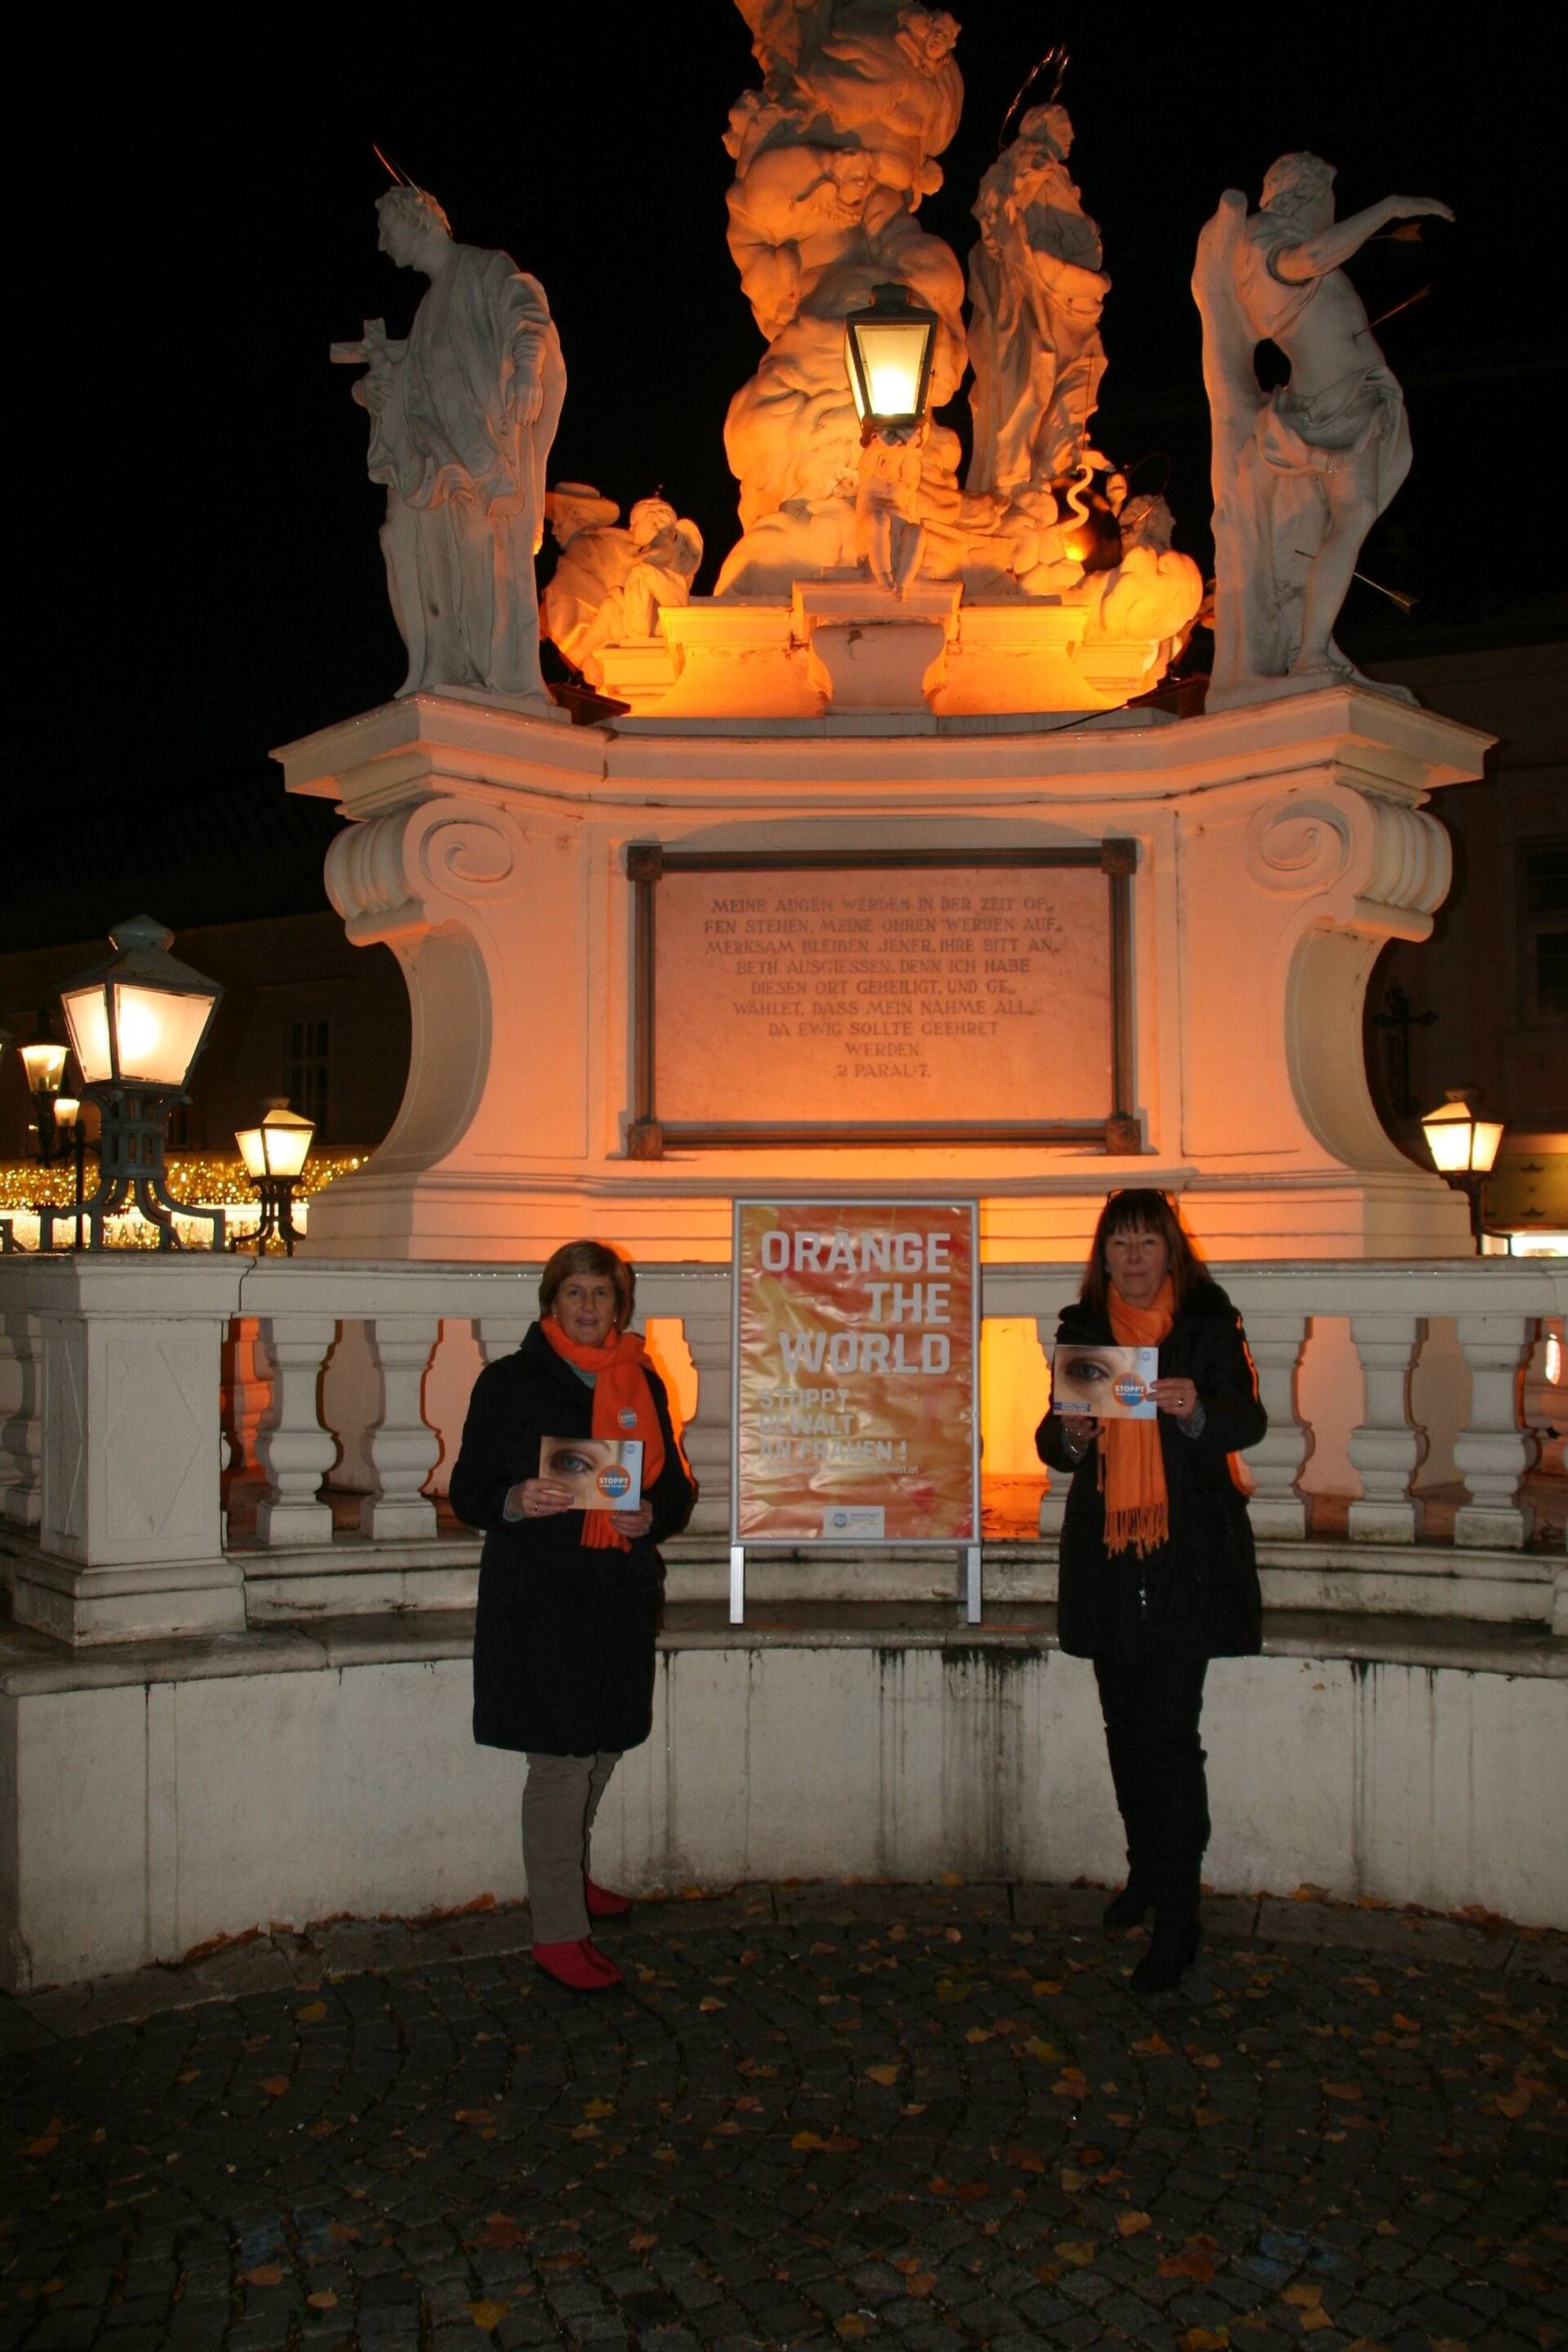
(200, 577)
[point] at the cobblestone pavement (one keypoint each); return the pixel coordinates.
(933, 2118)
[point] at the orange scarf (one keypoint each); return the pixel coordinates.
(623, 1408)
(1131, 1467)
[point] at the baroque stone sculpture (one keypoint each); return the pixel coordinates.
(833, 157)
(1036, 289)
(462, 416)
(1300, 474)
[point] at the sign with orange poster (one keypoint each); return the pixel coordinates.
(856, 1358)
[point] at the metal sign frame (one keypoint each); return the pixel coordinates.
(968, 1550)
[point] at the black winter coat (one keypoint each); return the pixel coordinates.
(1197, 1593)
(563, 1640)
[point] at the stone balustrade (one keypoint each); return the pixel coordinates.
(135, 1395)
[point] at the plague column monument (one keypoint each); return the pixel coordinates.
(877, 866)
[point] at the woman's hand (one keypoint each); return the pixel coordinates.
(1177, 1398)
(633, 1522)
(541, 1498)
(1079, 1430)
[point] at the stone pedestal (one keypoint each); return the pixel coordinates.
(1273, 851)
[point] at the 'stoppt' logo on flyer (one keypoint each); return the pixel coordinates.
(613, 1481)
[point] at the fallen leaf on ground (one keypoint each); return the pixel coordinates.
(1341, 2090)
(1191, 2263)
(1154, 2045)
(1204, 2339)
(851, 2324)
(1077, 2250)
(598, 2107)
(265, 2273)
(322, 2299)
(1131, 2223)
(1305, 2298)
(885, 2075)
(313, 2013)
(488, 2315)
(273, 2084)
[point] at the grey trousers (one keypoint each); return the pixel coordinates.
(560, 1797)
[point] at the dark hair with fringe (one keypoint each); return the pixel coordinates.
(589, 1258)
(1142, 1210)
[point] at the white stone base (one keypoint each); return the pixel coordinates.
(151, 1801)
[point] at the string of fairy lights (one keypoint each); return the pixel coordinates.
(208, 1179)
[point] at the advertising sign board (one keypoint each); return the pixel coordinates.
(857, 1373)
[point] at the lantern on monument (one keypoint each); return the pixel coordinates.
(274, 1152)
(887, 356)
(136, 1024)
(1463, 1148)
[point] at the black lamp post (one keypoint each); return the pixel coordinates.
(274, 1152)
(136, 1024)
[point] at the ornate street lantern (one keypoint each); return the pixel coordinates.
(275, 1153)
(136, 1024)
(45, 1067)
(1463, 1148)
(887, 356)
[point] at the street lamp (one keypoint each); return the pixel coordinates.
(275, 1153)
(137, 1025)
(887, 354)
(45, 1067)
(1463, 1148)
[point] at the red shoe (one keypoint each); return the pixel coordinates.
(570, 1964)
(608, 1972)
(602, 1904)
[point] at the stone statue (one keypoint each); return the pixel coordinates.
(1154, 594)
(462, 416)
(595, 556)
(666, 550)
(832, 158)
(1036, 289)
(889, 538)
(1300, 474)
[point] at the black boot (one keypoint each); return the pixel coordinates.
(1173, 1947)
(1132, 1906)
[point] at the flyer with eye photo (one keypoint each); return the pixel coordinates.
(1113, 1381)
(603, 1473)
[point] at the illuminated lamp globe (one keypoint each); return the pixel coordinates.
(887, 357)
(1460, 1143)
(279, 1145)
(45, 1066)
(67, 1111)
(140, 1020)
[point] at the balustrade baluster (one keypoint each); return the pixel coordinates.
(1386, 1449)
(403, 1450)
(1277, 1511)
(1493, 1452)
(706, 1436)
(294, 1450)
(500, 1335)
(21, 1432)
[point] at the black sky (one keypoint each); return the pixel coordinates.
(198, 566)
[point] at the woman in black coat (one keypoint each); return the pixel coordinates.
(569, 1601)
(1157, 1570)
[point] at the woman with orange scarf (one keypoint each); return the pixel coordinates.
(570, 1599)
(1157, 1569)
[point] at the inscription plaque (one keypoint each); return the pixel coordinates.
(919, 996)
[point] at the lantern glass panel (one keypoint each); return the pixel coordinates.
(892, 356)
(45, 1066)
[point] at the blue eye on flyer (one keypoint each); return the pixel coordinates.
(603, 1473)
(1114, 1383)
